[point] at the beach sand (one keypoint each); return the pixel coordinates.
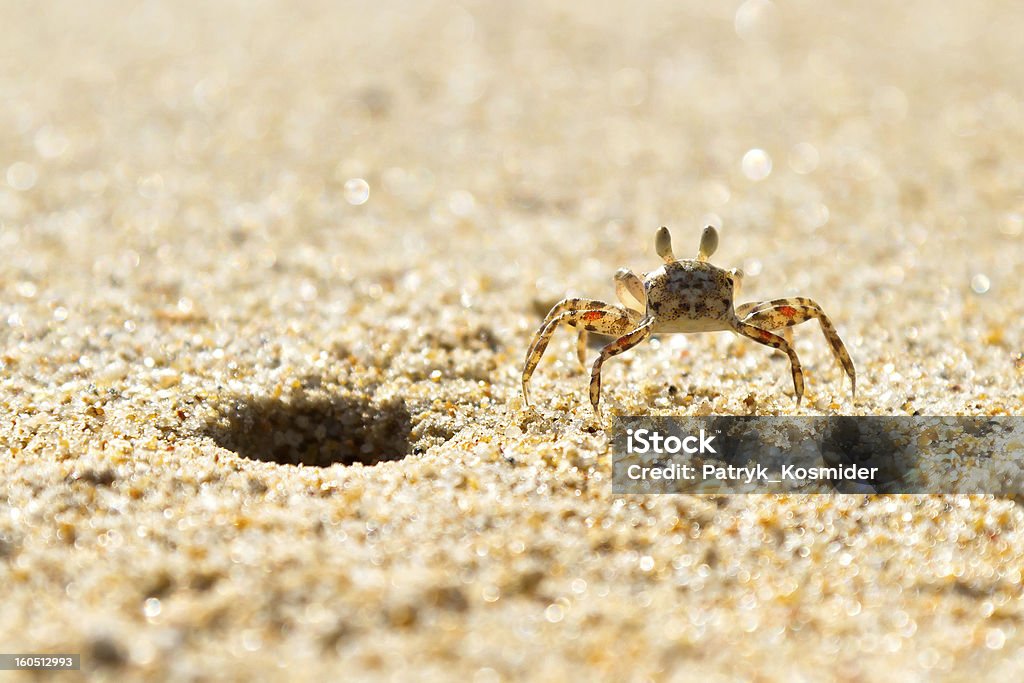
(271, 270)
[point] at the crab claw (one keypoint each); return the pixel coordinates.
(737, 281)
(708, 243)
(663, 245)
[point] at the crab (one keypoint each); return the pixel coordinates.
(684, 295)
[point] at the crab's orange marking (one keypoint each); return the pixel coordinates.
(592, 315)
(787, 311)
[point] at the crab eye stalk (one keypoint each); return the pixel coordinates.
(663, 245)
(708, 243)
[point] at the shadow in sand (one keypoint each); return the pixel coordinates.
(308, 431)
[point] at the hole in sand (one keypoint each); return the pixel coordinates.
(315, 431)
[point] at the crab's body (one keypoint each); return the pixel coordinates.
(687, 295)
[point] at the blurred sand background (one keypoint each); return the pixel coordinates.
(243, 235)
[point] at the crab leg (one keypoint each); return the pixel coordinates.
(745, 311)
(630, 290)
(775, 341)
(623, 343)
(581, 347)
(581, 338)
(572, 304)
(783, 313)
(575, 304)
(605, 320)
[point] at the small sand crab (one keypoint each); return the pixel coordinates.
(688, 295)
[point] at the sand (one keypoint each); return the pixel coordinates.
(271, 270)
